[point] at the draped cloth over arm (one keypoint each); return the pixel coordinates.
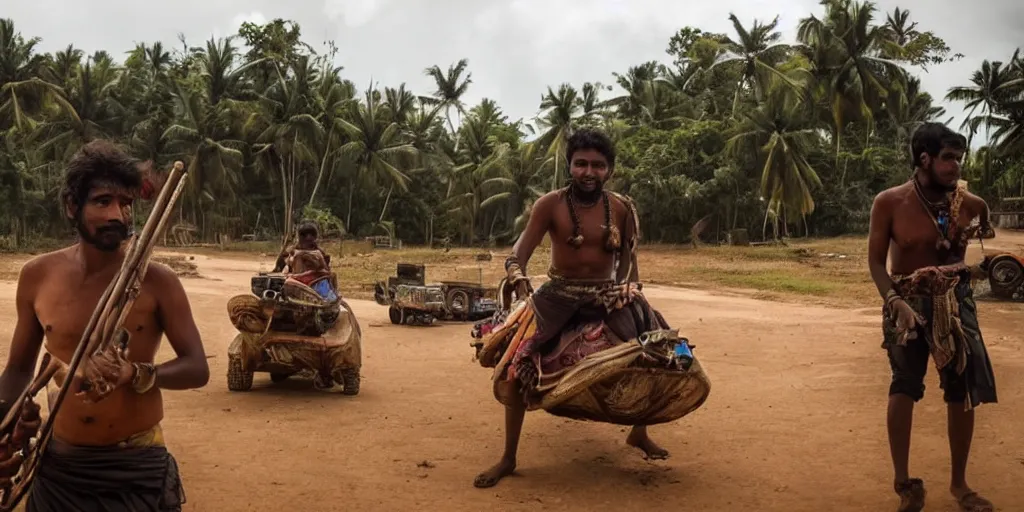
(944, 297)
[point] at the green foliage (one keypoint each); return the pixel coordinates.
(326, 220)
(740, 131)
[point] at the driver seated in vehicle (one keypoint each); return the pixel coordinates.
(307, 263)
(301, 257)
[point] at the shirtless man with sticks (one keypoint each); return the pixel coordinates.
(593, 276)
(106, 454)
(924, 225)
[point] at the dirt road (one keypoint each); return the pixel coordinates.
(795, 421)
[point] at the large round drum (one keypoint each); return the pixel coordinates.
(619, 382)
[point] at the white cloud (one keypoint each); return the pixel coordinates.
(355, 13)
(230, 29)
(255, 17)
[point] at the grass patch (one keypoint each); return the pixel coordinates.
(803, 271)
(823, 271)
(773, 281)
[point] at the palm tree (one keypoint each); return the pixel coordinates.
(288, 132)
(516, 188)
(201, 136)
(333, 99)
(401, 102)
(910, 108)
(23, 93)
(758, 52)
(992, 84)
(90, 94)
(561, 114)
(450, 88)
(845, 49)
(376, 148)
(783, 136)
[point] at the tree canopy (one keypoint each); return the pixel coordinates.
(741, 130)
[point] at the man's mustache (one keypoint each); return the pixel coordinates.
(113, 227)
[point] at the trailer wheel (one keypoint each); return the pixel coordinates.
(458, 303)
(1006, 277)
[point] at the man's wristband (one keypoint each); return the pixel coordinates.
(890, 298)
(144, 378)
(512, 270)
(511, 260)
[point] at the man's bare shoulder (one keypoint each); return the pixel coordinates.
(548, 200)
(35, 271)
(39, 265)
(620, 200)
(552, 197)
(975, 202)
(161, 275)
(893, 195)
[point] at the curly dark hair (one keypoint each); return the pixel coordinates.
(590, 138)
(931, 138)
(308, 227)
(99, 162)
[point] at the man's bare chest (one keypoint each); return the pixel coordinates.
(591, 222)
(915, 228)
(64, 310)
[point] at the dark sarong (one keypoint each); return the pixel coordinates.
(108, 479)
(944, 297)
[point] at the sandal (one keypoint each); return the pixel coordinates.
(912, 494)
(973, 502)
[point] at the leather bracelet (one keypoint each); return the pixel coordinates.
(514, 272)
(511, 260)
(144, 378)
(890, 298)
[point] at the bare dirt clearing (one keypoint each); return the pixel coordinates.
(795, 420)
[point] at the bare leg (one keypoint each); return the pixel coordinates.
(514, 416)
(900, 420)
(638, 438)
(961, 431)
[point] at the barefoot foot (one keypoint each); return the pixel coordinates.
(971, 501)
(640, 439)
(492, 476)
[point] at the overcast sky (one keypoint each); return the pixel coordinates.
(516, 48)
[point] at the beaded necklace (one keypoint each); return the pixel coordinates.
(941, 214)
(611, 233)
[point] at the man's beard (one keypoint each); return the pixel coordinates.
(933, 181)
(584, 196)
(107, 238)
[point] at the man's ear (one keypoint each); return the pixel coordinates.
(926, 160)
(69, 209)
